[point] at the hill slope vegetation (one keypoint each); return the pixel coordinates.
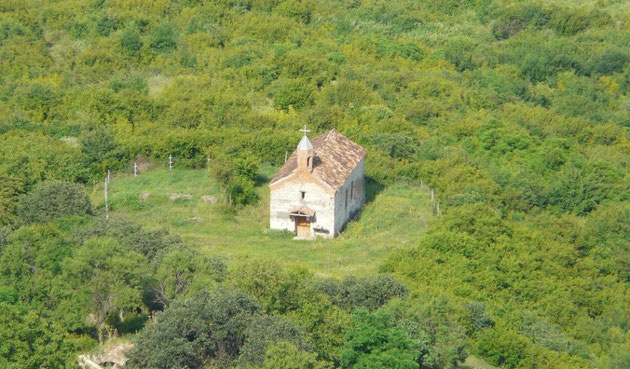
(517, 113)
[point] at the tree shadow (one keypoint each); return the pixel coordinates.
(261, 179)
(372, 188)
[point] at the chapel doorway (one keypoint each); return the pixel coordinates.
(303, 227)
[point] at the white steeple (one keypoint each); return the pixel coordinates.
(305, 143)
(305, 153)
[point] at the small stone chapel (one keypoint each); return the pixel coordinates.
(320, 187)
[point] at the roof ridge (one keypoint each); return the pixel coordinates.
(338, 156)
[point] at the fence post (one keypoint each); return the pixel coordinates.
(170, 161)
(135, 168)
(106, 202)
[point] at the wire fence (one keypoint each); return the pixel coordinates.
(171, 162)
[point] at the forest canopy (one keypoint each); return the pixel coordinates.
(516, 113)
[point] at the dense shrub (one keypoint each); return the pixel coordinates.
(10, 190)
(610, 62)
(533, 217)
(266, 331)
(130, 40)
(163, 38)
(236, 176)
(512, 20)
(370, 293)
(207, 328)
(459, 52)
(375, 341)
(52, 200)
(570, 22)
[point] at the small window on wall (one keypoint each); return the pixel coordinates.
(302, 194)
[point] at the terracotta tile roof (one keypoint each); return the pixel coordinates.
(336, 156)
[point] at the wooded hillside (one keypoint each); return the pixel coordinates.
(516, 113)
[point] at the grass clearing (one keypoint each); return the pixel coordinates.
(395, 217)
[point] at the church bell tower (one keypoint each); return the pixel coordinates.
(305, 153)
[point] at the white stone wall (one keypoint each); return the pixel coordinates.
(354, 189)
(287, 196)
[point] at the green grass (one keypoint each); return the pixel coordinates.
(395, 218)
(472, 362)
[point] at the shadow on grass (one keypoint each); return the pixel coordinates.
(261, 179)
(372, 188)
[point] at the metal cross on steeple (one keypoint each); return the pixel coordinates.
(305, 130)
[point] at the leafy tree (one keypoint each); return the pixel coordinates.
(476, 317)
(515, 18)
(152, 244)
(30, 259)
(30, 341)
(611, 62)
(459, 52)
(503, 347)
(100, 279)
(52, 200)
(40, 99)
(280, 290)
(163, 38)
(182, 272)
(10, 190)
(130, 40)
(295, 93)
(374, 341)
(99, 153)
(208, 328)
(236, 177)
(369, 292)
(284, 355)
(266, 331)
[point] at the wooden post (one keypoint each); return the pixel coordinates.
(170, 161)
(135, 168)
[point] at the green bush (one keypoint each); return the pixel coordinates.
(163, 38)
(570, 22)
(10, 191)
(502, 347)
(512, 20)
(210, 326)
(370, 293)
(130, 40)
(235, 174)
(52, 200)
(294, 93)
(265, 331)
(610, 62)
(375, 341)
